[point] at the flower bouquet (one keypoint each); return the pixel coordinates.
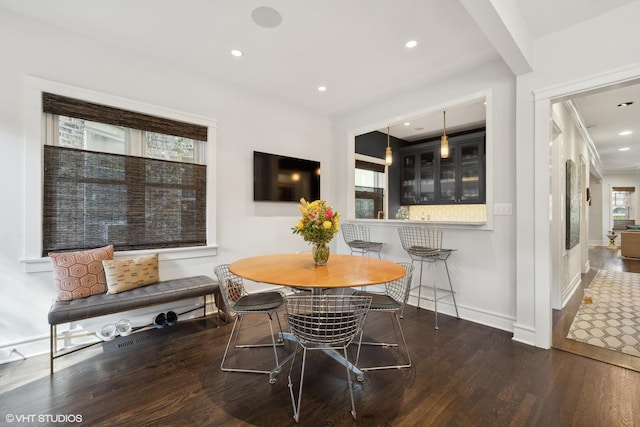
(318, 225)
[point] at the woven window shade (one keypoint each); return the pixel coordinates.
(627, 189)
(374, 167)
(70, 107)
(93, 199)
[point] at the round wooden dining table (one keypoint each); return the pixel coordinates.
(299, 270)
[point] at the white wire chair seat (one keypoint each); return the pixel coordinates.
(322, 322)
(392, 300)
(424, 244)
(240, 302)
(357, 237)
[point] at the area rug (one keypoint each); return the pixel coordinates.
(612, 319)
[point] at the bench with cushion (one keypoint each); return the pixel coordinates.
(91, 284)
(103, 304)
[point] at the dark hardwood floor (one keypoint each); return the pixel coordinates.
(600, 258)
(463, 375)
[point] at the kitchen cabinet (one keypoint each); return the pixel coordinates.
(427, 179)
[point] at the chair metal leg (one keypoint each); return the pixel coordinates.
(235, 333)
(453, 296)
(420, 283)
(386, 345)
(296, 407)
(353, 405)
(435, 297)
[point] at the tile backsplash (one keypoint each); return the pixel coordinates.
(448, 213)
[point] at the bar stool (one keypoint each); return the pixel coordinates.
(424, 244)
(358, 240)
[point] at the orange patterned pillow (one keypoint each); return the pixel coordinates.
(126, 274)
(80, 274)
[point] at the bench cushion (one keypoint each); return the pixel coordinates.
(157, 293)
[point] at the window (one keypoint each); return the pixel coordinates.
(370, 184)
(621, 212)
(620, 203)
(114, 176)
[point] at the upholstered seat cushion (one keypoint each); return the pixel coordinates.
(260, 301)
(157, 293)
(379, 301)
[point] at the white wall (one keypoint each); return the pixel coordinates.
(596, 53)
(483, 267)
(566, 263)
(245, 123)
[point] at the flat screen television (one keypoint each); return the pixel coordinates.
(284, 179)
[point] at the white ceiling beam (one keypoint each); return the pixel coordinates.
(502, 23)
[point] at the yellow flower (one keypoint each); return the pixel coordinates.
(299, 225)
(327, 225)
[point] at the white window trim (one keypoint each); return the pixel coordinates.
(34, 140)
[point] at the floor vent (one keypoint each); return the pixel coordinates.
(134, 341)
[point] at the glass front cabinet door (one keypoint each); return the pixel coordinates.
(428, 179)
(408, 180)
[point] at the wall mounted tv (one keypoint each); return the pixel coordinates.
(284, 179)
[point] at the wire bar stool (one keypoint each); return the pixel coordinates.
(239, 301)
(322, 322)
(424, 244)
(392, 301)
(357, 237)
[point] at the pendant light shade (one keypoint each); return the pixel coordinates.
(388, 157)
(444, 141)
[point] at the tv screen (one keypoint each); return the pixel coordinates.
(284, 179)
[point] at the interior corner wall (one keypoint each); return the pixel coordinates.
(574, 148)
(245, 122)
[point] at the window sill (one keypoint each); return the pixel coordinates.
(38, 265)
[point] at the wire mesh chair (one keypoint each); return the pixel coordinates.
(240, 302)
(322, 322)
(357, 237)
(424, 244)
(392, 301)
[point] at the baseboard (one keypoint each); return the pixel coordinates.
(472, 314)
(568, 292)
(524, 334)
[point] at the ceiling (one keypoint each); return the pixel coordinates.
(355, 48)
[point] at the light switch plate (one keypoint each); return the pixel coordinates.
(502, 209)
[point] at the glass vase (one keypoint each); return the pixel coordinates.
(320, 252)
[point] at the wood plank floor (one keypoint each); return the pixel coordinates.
(463, 375)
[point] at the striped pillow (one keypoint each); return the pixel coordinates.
(127, 274)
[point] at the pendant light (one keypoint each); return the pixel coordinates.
(444, 142)
(388, 157)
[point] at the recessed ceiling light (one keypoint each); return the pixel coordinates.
(411, 43)
(625, 133)
(236, 52)
(406, 123)
(625, 104)
(624, 149)
(322, 88)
